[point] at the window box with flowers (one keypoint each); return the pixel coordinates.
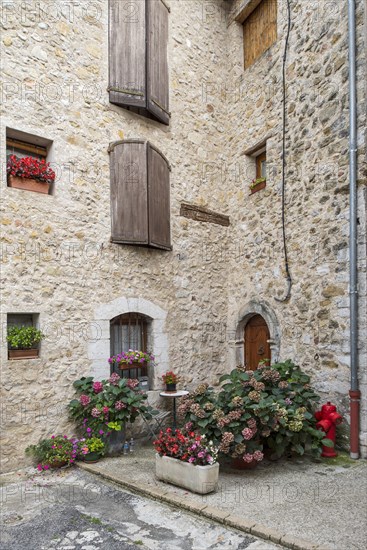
(29, 173)
(257, 184)
(187, 460)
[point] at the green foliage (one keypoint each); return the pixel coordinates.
(54, 451)
(267, 409)
(23, 337)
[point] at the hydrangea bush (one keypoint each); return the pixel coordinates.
(108, 404)
(270, 408)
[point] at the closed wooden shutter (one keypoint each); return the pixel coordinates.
(138, 67)
(140, 194)
(127, 53)
(157, 69)
(129, 201)
(159, 200)
(259, 30)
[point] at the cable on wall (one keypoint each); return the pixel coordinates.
(289, 278)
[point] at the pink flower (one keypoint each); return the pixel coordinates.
(96, 412)
(39, 467)
(248, 457)
(46, 467)
(131, 383)
(251, 423)
(258, 456)
(114, 378)
(105, 410)
(119, 405)
(97, 387)
(84, 400)
(247, 433)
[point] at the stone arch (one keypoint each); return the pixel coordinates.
(244, 314)
(99, 350)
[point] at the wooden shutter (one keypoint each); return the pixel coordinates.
(127, 53)
(140, 194)
(259, 30)
(157, 69)
(129, 201)
(159, 199)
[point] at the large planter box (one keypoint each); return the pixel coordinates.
(29, 184)
(198, 479)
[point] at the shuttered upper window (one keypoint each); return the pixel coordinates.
(138, 67)
(140, 194)
(259, 29)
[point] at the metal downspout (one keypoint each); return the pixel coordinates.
(354, 392)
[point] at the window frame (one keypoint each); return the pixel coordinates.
(245, 18)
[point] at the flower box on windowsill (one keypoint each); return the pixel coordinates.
(198, 479)
(255, 187)
(28, 184)
(16, 354)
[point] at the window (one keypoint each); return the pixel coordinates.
(30, 170)
(261, 165)
(130, 331)
(259, 29)
(140, 195)
(138, 66)
(24, 345)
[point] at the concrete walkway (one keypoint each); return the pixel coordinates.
(301, 503)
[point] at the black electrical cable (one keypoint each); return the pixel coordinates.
(289, 278)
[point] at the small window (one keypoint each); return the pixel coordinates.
(25, 345)
(28, 162)
(261, 165)
(130, 331)
(259, 30)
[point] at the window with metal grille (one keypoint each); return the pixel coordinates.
(130, 331)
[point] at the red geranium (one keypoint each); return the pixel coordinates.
(30, 167)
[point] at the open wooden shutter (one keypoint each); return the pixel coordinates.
(157, 68)
(138, 67)
(127, 53)
(129, 201)
(140, 194)
(158, 199)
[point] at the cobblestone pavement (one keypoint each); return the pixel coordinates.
(72, 510)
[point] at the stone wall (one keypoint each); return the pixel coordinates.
(57, 259)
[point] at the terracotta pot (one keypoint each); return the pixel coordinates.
(14, 354)
(58, 464)
(240, 464)
(258, 187)
(29, 184)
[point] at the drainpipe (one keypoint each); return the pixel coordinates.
(354, 393)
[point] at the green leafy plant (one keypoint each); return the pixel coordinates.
(23, 337)
(93, 445)
(170, 378)
(270, 409)
(108, 404)
(55, 451)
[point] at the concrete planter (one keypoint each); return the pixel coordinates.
(198, 479)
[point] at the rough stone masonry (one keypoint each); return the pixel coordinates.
(57, 259)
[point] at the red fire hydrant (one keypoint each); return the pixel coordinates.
(328, 419)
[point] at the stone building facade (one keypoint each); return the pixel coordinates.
(59, 264)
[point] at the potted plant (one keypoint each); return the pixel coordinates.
(186, 460)
(257, 184)
(267, 410)
(170, 379)
(104, 407)
(23, 342)
(30, 173)
(92, 449)
(54, 452)
(132, 358)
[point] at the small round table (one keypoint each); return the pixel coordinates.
(174, 395)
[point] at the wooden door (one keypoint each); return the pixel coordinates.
(256, 344)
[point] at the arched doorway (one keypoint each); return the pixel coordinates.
(256, 345)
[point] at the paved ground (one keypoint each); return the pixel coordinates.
(323, 502)
(75, 510)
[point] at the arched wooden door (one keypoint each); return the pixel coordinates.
(256, 344)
